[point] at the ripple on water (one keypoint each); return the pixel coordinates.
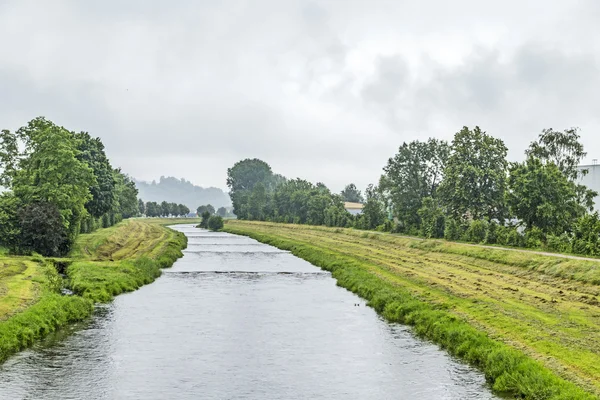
(256, 324)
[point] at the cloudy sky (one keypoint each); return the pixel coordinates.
(325, 90)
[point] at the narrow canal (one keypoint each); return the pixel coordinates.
(237, 319)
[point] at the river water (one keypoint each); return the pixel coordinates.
(236, 319)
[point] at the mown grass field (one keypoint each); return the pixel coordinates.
(102, 265)
(544, 307)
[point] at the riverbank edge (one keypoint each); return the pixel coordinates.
(508, 371)
(53, 311)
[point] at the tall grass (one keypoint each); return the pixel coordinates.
(92, 281)
(100, 281)
(508, 370)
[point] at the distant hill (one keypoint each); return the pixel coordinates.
(181, 191)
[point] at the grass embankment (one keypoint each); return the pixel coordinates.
(531, 323)
(30, 303)
(123, 258)
(102, 264)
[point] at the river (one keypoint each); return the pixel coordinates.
(237, 319)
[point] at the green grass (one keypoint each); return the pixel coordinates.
(102, 265)
(30, 304)
(531, 325)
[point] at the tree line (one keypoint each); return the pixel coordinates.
(163, 209)
(259, 194)
(59, 183)
(460, 190)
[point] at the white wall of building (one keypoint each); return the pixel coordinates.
(592, 180)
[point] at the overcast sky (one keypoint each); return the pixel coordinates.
(324, 90)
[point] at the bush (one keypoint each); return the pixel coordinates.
(205, 218)
(453, 230)
(514, 238)
(586, 235)
(560, 244)
(476, 232)
(215, 223)
(491, 236)
(534, 238)
(42, 229)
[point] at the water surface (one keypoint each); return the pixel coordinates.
(236, 319)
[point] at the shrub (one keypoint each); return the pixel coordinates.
(204, 221)
(586, 235)
(515, 238)
(561, 244)
(476, 232)
(42, 229)
(534, 238)
(491, 236)
(453, 230)
(215, 223)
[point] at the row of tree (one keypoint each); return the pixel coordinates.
(164, 209)
(59, 183)
(259, 194)
(221, 211)
(463, 190)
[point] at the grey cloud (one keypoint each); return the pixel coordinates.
(325, 90)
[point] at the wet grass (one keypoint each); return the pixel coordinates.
(531, 323)
(124, 257)
(102, 265)
(30, 303)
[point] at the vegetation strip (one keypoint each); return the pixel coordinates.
(102, 265)
(497, 330)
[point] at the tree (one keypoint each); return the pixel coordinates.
(241, 180)
(126, 204)
(222, 212)
(475, 176)
(45, 168)
(165, 209)
(413, 174)
(563, 149)
(10, 224)
(432, 219)
(215, 223)
(42, 230)
(542, 196)
(141, 207)
(204, 221)
(91, 151)
(352, 194)
(373, 213)
(183, 210)
(200, 210)
(257, 202)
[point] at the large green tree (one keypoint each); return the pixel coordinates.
(352, 194)
(41, 164)
(542, 196)
(241, 180)
(413, 174)
(91, 151)
(126, 194)
(565, 150)
(474, 182)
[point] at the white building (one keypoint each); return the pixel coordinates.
(592, 180)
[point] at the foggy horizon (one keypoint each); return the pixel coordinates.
(322, 91)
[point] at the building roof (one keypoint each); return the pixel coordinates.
(352, 206)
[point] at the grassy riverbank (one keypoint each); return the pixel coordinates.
(102, 265)
(531, 323)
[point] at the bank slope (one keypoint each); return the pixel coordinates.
(102, 265)
(532, 327)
